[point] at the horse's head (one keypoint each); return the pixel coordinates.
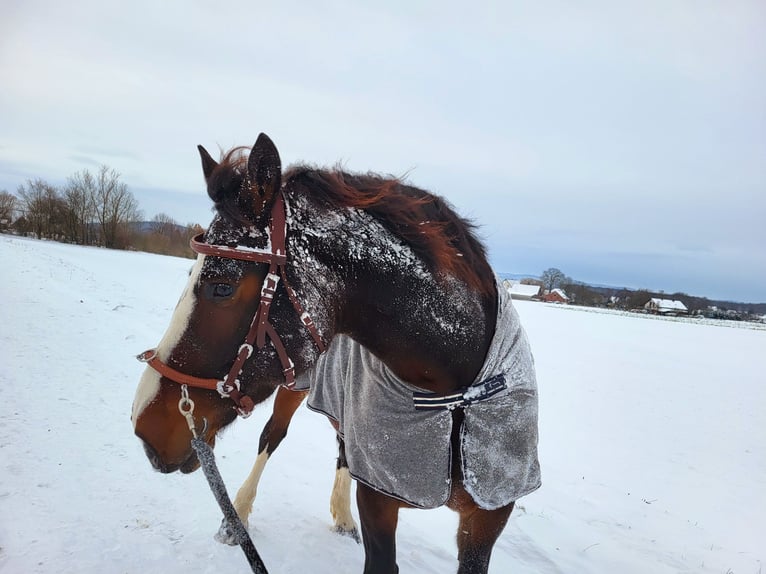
(224, 338)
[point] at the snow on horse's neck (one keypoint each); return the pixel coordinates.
(329, 246)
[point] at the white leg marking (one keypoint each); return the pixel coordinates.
(243, 503)
(150, 381)
(340, 502)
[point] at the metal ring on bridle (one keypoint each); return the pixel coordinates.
(186, 408)
(147, 356)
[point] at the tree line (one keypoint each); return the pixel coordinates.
(91, 209)
(580, 293)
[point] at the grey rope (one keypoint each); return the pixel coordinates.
(207, 460)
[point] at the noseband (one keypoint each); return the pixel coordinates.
(260, 327)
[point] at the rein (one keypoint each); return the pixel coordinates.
(214, 480)
(260, 327)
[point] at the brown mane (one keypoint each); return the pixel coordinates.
(427, 223)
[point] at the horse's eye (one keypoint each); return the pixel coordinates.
(222, 290)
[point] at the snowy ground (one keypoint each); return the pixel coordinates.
(652, 443)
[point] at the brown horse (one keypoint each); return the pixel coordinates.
(396, 287)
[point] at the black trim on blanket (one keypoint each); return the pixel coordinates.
(473, 394)
(401, 498)
(328, 415)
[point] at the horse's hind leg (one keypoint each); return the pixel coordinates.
(285, 405)
(476, 536)
(340, 499)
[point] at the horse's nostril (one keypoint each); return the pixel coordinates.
(154, 458)
(157, 462)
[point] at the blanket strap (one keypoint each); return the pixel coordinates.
(473, 394)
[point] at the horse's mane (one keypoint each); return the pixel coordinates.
(446, 242)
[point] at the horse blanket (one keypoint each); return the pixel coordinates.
(397, 435)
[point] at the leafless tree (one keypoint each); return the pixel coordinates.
(115, 206)
(630, 299)
(43, 208)
(168, 237)
(552, 278)
(80, 196)
(582, 294)
(165, 225)
(8, 203)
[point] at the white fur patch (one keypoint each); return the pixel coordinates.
(147, 390)
(243, 503)
(340, 501)
(149, 386)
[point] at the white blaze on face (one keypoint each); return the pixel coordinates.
(149, 386)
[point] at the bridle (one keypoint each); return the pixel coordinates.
(260, 328)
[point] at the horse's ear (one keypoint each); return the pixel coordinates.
(208, 163)
(264, 170)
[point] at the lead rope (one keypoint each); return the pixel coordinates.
(207, 461)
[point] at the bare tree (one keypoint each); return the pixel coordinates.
(115, 206)
(8, 203)
(169, 237)
(43, 208)
(32, 205)
(553, 278)
(165, 225)
(630, 299)
(582, 294)
(80, 196)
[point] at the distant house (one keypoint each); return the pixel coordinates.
(556, 296)
(522, 292)
(666, 307)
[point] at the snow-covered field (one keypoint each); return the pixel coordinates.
(653, 443)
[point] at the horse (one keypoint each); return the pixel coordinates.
(381, 298)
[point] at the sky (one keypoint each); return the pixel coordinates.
(621, 142)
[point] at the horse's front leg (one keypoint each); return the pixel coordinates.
(340, 499)
(285, 405)
(478, 529)
(379, 515)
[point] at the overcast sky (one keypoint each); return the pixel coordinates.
(622, 142)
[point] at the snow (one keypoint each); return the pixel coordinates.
(667, 305)
(651, 442)
(521, 291)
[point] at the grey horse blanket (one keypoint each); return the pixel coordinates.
(397, 435)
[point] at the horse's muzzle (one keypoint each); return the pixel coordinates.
(189, 465)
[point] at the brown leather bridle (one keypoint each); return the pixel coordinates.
(260, 327)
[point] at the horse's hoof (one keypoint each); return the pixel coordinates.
(225, 535)
(350, 532)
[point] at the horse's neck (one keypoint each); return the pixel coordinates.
(431, 332)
